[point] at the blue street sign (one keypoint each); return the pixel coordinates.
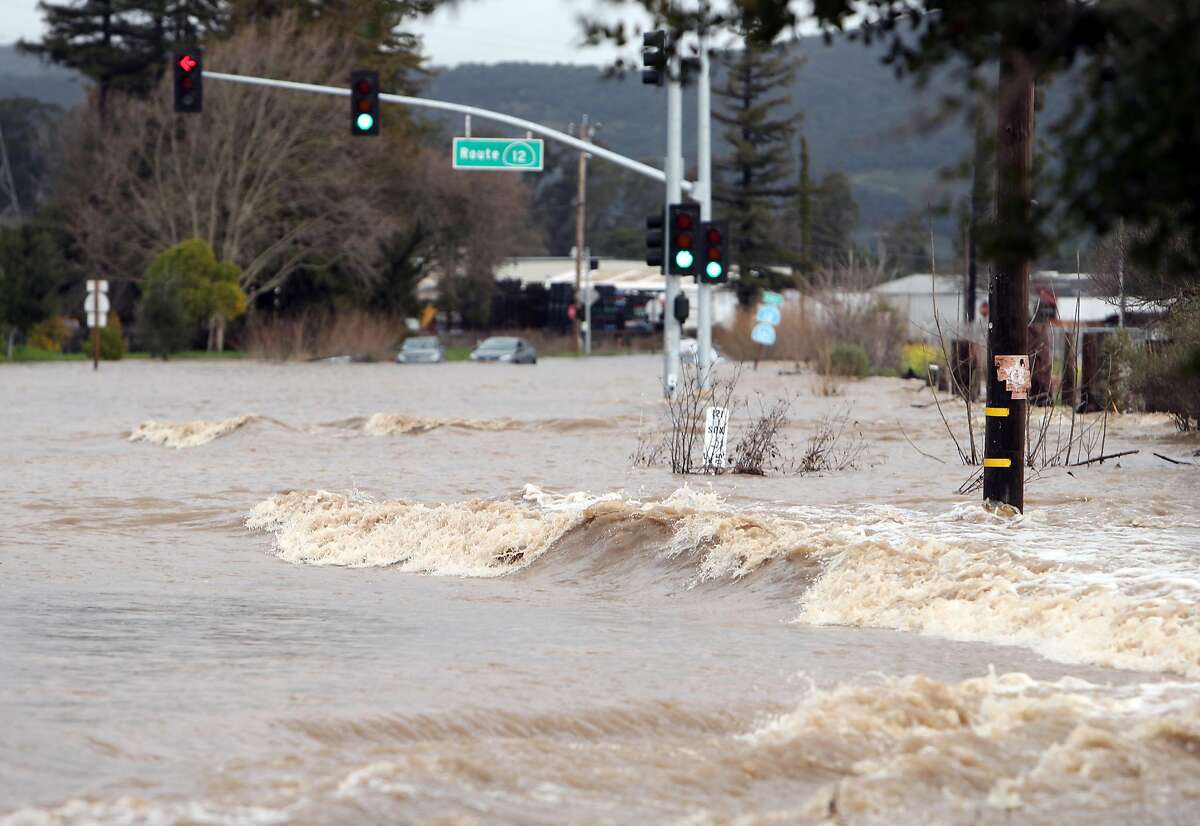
(768, 314)
(763, 334)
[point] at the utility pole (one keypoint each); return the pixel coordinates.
(704, 185)
(585, 134)
(1008, 376)
(674, 194)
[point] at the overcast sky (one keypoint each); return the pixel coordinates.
(475, 31)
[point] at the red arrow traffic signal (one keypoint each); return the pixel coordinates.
(189, 80)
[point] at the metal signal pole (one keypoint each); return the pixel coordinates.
(585, 133)
(1008, 301)
(674, 174)
(704, 185)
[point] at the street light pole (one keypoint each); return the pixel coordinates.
(674, 191)
(585, 133)
(704, 185)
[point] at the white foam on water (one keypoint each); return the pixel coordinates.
(967, 575)
(474, 539)
(386, 424)
(189, 434)
(137, 811)
(1002, 743)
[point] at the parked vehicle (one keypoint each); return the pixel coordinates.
(421, 350)
(508, 349)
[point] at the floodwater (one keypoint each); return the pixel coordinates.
(316, 594)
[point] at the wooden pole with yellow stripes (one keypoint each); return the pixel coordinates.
(1008, 300)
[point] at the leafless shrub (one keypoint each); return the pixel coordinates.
(313, 336)
(685, 412)
(648, 451)
(810, 327)
(835, 445)
(761, 447)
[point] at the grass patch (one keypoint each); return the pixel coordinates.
(31, 355)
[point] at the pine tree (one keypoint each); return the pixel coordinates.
(834, 219)
(122, 45)
(804, 207)
(755, 178)
(380, 30)
(91, 37)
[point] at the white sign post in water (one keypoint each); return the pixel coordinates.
(716, 432)
(96, 307)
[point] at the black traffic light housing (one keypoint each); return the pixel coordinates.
(654, 239)
(683, 224)
(189, 80)
(654, 57)
(682, 309)
(713, 243)
(364, 102)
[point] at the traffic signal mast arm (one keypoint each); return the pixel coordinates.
(553, 134)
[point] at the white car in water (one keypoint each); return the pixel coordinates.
(421, 350)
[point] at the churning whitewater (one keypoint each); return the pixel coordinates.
(447, 595)
(870, 567)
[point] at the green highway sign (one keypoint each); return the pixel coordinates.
(498, 153)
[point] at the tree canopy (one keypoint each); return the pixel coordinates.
(1125, 146)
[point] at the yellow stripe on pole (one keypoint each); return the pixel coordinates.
(995, 411)
(997, 462)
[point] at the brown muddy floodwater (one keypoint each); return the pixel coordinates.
(318, 594)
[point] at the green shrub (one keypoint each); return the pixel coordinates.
(849, 360)
(1167, 378)
(1116, 370)
(112, 340)
(163, 323)
(50, 334)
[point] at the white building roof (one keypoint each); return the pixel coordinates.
(624, 274)
(923, 284)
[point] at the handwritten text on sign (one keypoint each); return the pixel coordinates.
(716, 433)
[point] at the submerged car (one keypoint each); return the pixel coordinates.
(505, 348)
(421, 350)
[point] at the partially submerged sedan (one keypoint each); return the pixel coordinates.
(421, 350)
(508, 349)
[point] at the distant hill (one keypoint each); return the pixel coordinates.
(25, 76)
(858, 118)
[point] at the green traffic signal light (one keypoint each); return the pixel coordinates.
(364, 122)
(684, 259)
(714, 269)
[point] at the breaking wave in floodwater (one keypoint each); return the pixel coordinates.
(907, 749)
(966, 575)
(202, 432)
(194, 434)
(390, 424)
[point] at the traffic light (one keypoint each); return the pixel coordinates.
(684, 222)
(189, 81)
(712, 253)
(364, 103)
(654, 57)
(654, 239)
